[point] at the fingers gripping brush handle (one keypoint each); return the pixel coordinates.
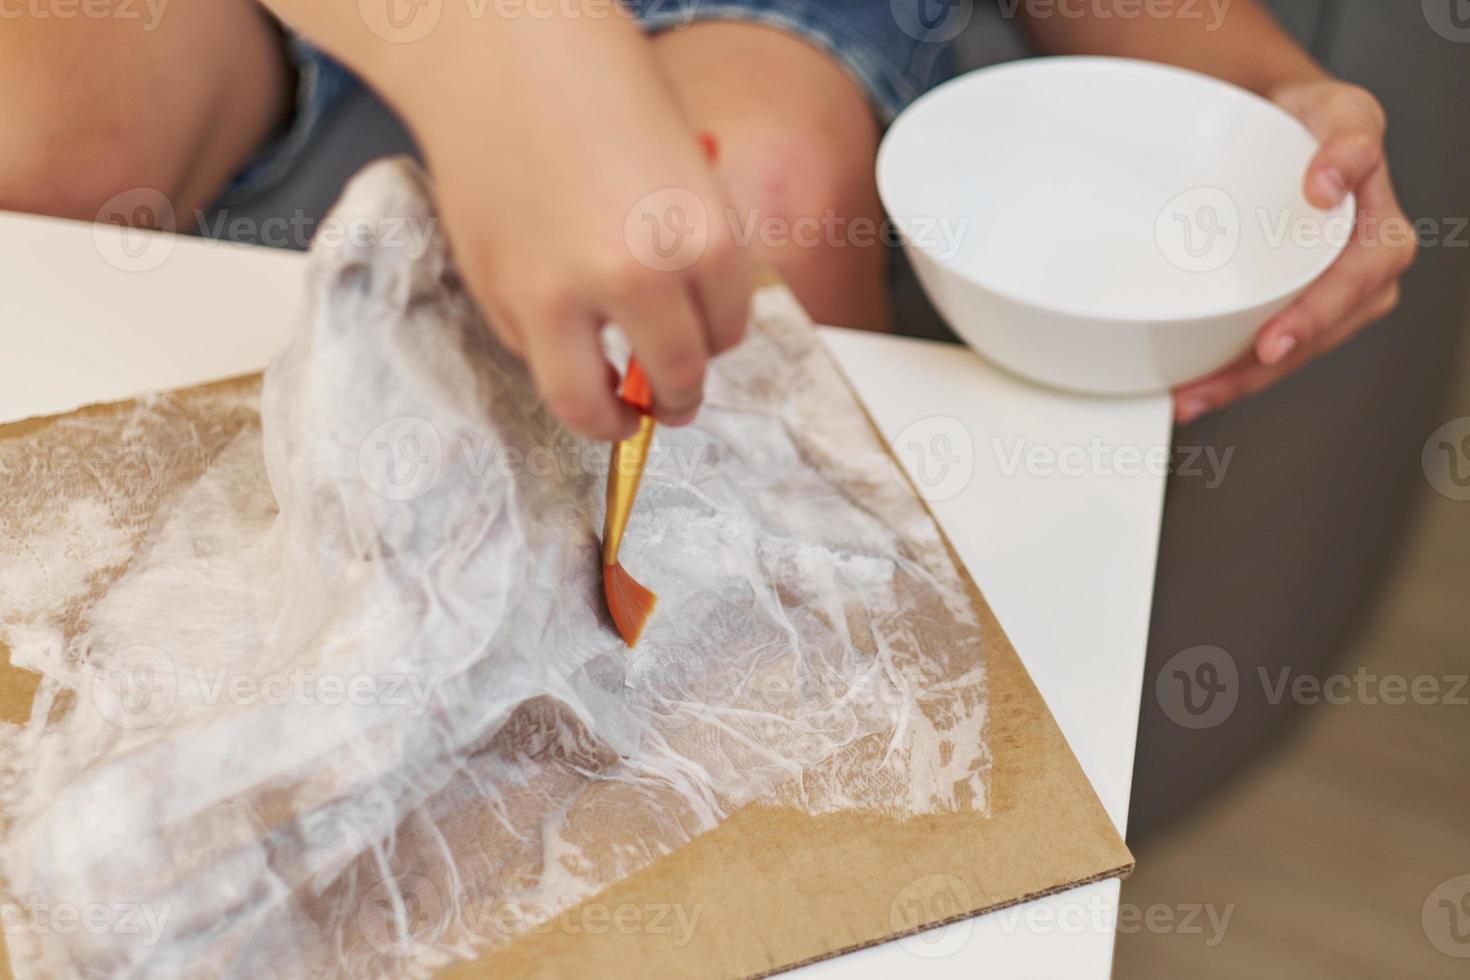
(629, 602)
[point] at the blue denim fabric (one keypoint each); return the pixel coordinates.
(321, 85)
(895, 49)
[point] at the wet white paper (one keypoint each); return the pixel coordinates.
(330, 690)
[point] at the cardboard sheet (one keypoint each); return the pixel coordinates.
(776, 889)
(770, 889)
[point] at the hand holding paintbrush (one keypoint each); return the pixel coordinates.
(627, 600)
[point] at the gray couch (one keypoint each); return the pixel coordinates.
(1280, 563)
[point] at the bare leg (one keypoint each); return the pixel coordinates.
(92, 107)
(797, 140)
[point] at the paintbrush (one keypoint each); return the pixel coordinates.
(628, 601)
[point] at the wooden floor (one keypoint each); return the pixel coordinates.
(1330, 851)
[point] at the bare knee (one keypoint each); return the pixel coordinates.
(91, 170)
(805, 203)
(93, 109)
(792, 189)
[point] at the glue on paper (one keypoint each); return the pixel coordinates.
(327, 687)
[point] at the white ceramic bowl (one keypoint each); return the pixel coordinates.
(1102, 224)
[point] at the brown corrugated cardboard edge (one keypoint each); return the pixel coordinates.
(773, 889)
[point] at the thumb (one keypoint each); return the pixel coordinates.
(1343, 163)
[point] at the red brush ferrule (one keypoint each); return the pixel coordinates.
(636, 392)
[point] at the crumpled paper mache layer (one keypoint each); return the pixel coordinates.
(327, 686)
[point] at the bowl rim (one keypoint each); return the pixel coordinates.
(1347, 208)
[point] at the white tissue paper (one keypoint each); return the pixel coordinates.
(330, 689)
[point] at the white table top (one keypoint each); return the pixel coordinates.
(1053, 501)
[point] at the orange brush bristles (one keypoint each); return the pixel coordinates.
(630, 603)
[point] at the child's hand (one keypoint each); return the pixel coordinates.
(543, 168)
(1363, 285)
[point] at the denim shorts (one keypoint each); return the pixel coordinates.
(895, 49)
